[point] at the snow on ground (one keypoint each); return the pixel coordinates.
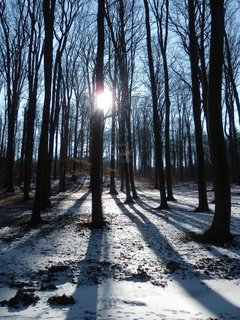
(141, 265)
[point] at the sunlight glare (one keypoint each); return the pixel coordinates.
(104, 100)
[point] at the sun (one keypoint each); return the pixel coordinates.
(104, 100)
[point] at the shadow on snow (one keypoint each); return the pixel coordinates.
(150, 231)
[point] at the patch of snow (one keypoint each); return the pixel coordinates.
(140, 265)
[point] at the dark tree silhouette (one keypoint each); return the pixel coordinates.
(12, 53)
(219, 232)
(97, 139)
(65, 102)
(196, 100)
(67, 14)
(120, 43)
(41, 199)
(163, 42)
(156, 120)
(113, 128)
(34, 62)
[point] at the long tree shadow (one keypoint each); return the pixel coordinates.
(179, 224)
(149, 232)
(23, 234)
(58, 197)
(150, 198)
(77, 204)
(197, 219)
(181, 219)
(67, 215)
(86, 293)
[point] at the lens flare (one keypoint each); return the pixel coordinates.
(104, 100)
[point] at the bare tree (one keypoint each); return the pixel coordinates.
(156, 120)
(35, 52)
(66, 93)
(113, 78)
(219, 232)
(230, 126)
(196, 100)
(67, 13)
(12, 50)
(41, 199)
(97, 142)
(161, 13)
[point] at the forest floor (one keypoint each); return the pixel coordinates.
(142, 265)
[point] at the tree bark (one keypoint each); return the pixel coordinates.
(13, 68)
(219, 231)
(196, 100)
(156, 120)
(41, 199)
(34, 62)
(21, 160)
(64, 141)
(97, 139)
(113, 138)
(163, 41)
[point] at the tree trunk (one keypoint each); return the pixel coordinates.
(55, 171)
(75, 142)
(113, 140)
(156, 120)
(219, 232)
(130, 156)
(10, 148)
(163, 41)
(170, 196)
(123, 154)
(64, 144)
(3, 129)
(190, 152)
(41, 199)
(193, 47)
(12, 67)
(201, 48)
(29, 143)
(54, 116)
(97, 139)
(21, 160)
(34, 62)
